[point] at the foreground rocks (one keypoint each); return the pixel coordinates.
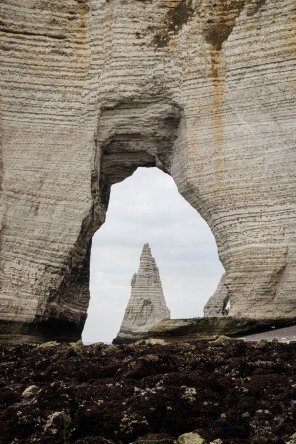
(223, 391)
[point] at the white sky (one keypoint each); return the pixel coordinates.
(147, 207)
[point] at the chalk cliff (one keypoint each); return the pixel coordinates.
(218, 301)
(92, 89)
(146, 306)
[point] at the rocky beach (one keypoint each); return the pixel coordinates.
(222, 391)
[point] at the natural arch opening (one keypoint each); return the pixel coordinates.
(147, 207)
(150, 132)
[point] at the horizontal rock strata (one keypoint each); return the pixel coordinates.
(215, 307)
(92, 89)
(146, 306)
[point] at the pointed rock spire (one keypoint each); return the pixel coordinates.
(146, 306)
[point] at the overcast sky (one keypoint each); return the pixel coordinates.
(147, 207)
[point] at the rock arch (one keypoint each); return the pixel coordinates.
(196, 88)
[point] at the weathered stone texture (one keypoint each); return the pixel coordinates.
(92, 89)
(218, 301)
(176, 330)
(146, 306)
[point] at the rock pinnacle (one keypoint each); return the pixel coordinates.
(146, 306)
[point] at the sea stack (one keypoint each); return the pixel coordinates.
(146, 306)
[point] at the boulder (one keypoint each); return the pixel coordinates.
(30, 391)
(190, 438)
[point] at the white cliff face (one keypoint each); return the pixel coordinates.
(218, 301)
(146, 306)
(92, 89)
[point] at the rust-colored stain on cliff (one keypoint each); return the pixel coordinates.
(83, 8)
(292, 40)
(218, 22)
(217, 19)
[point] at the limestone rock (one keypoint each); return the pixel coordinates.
(30, 391)
(190, 438)
(58, 425)
(218, 301)
(214, 328)
(92, 89)
(222, 340)
(48, 344)
(293, 439)
(146, 306)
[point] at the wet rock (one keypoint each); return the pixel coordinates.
(58, 426)
(48, 344)
(95, 440)
(155, 341)
(30, 391)
(141, 370)
(152, 439)
(190, 438)
(8, 396)
(151, 392)
(222, 340)
(293, 439)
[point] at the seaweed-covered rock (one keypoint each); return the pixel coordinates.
(239, 393)
(30, 391)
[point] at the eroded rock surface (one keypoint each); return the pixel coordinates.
(227, 392)
(146, 306)
(215, 307)
(92, 89)
(174, 330)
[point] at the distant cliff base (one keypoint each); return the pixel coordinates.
(173, 330)
(38, 332)
(209, 328)
(128, 337)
